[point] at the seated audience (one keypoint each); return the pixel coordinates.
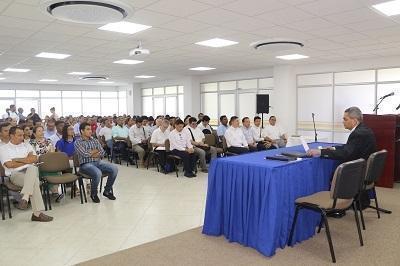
(120, 134)
(200, 148)
(27, 134)
(223, 126)
(59, 132)
(235, 139)
(138, 136)
(205, 125)
(41, 144)
(17, 159)
(4, 133)
(276, 133)
(181, 146)
(249, 134)
(90, 153)
(50, 128)
(158, 138)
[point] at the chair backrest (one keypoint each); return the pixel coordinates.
(210, 140)
(375, 166)
(167, 145)
(224, 145)
(2, 171)
(54, 162)
(76, 160)
(347, 179)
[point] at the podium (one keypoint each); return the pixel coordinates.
(387, 133)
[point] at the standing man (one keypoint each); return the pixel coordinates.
(34, 116)
(18, 158)
(4, 133)
(13, 113)
(21, 114)
(81, 120)
(90, 153)
(53, 113)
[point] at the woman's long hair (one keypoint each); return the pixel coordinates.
(65, 132)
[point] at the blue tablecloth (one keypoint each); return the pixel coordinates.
(250, 200)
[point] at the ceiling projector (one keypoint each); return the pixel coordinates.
(139, 50)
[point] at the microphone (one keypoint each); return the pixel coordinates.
(387, 95)
(398, 107)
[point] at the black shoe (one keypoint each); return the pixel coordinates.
(190, 175)
(95, 198)
(109, 195)
(338, 214)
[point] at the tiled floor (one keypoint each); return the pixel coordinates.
(149, 206)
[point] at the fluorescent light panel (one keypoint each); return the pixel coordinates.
(201, 68)
(124, 27)
(79, 73)
(390, 8)
(217, 42)
(48, 80)
(128, 62)
(105, 82)
(53, 55)
(144, 77)
(2, 78)
(19, 70)
(292, 56)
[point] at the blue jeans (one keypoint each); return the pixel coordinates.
(110, 146)
(95, 170)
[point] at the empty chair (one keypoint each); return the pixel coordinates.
(345, 186)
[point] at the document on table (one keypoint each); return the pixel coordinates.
(304, 143)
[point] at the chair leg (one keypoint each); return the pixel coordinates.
(3, 212)
(48, 195)
(361, 213)
(376, 204)
(320, 224)
(358, 224)
(101, 183)
(80, 184)
(176, 169)
(9, 205)
(293, 225)
(44, 196)
(84, 190)
(328, 236)
(72, 189)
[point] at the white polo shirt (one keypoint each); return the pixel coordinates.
(106, 132)
(179, 140)
(159, 137)
(235, 137)
(258, 133)
(197, 133)
(9, 151)
(274, 132)
(137, 134)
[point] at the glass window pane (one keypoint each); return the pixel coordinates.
(390, 74)
(109, 94)
(122, 109)
(170, 106)
(109, 106)
(27, 104)
(228, 105)
(27, 93)
(147, 92)
(147, 106)
(247, 105)
(71, 94)
(389, 105)
(209, 87)
(210, 106)
(355, 76)
(227, 85)
(158, 91)
(180, 89)
(122, 94)
(247, 84)
(315, 79)
(266, 83)
(181, 106)
(91, 94)
(91, 106)
(47, 103)
(4, 104)
(49, 94)
(7, 93)
(72, 106)
(158, 106)
(171, 90)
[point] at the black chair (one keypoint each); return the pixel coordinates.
(5, 187)
(152, 157)
(374, 169)
(225, 148)
(345, 186)
(132, 155)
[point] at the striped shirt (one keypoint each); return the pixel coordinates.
(84, 147)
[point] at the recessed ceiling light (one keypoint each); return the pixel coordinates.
(2, 78)
(390, 8)
(201, 68)
(53, 55)
(144, 77)
(292, 56)
(79, 73)
(128, 62)
(48, 80)
(20, 70)
(124, 27)
(217, 42)
(105, 82)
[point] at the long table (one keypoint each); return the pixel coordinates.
(250, 200)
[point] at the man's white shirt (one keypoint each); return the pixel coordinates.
(106, 132)
(137, 135)
(9, 151)
(179, 140)
(159, 137)
(274, 132)
(202, 127)
(235, 137)
(197, 133)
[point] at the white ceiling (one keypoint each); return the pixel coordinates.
(332, 30)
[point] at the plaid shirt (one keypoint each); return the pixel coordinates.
(84, 147)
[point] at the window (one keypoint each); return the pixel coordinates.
(108, 106)
(122, 106)
(7, 93)
(27, 94)
(71, 94)
(147, 106)
(50, 94)
(91, 106)
(47, 103)
(4, 104)
(72, 106)
(163, 101)
(90, 94)
(170, 105)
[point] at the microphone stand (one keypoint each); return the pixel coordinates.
(315, 129)
(377, 106)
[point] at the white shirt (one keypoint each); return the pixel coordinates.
(54, 116)
(248, 134)
(235, 137)
(274, 132)
(202, 127)
(137, 135)
(10, 151)
(197, 134)
(159, 137)
(106, 132)
(179, 140)
(5, 116)
(14, 115)
(256, 133)
(54, 138)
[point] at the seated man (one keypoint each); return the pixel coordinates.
(120, 134)
(50, 128)
(106, 133)
(249, 134)
(138, 137)
(235, 139)
(276, 133)
(17, 158)
(205, 124)
(89, 153)
(158, 138)
(223, 126)
(259, 135)
(181, 146)
(59, 131)
(197, 140)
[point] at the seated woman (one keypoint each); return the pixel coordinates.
(235, 139)
(27, 133)
(66, 143)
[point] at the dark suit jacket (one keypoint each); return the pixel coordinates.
(360, 144)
